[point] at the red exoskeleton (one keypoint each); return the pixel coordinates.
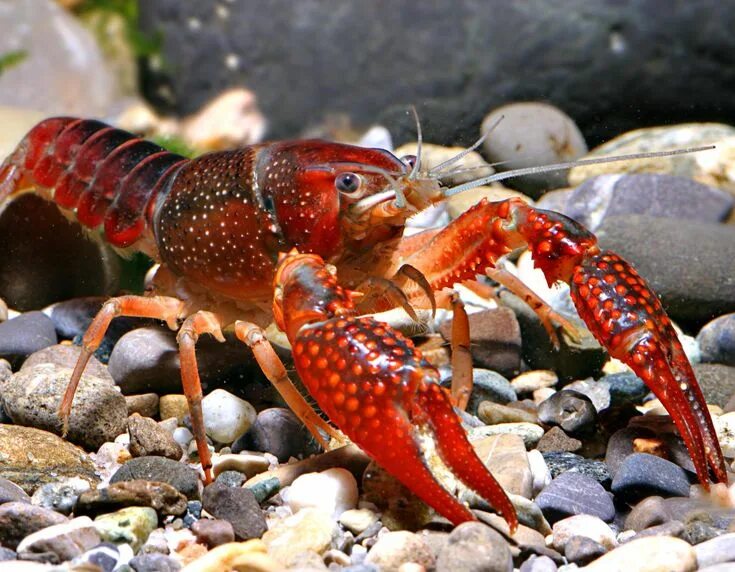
(218, 223)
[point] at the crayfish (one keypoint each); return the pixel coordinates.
(290, 230)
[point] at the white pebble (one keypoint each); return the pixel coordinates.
(539, 470)
(333, 491)
(358, 520)
(583, 525)
(183, 436)
(226, 416)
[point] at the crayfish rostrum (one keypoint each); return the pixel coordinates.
(291, 230)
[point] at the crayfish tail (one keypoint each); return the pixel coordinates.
(457, 452)
(628, 319)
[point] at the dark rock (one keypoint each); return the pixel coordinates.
(32, 396)
(495, 340)
(626, 388)
(231, 478)
(581, 550)
(105, 557)
(717, 340)
(162, 497)
(621, 445)
(488, 386)
(25, 334)
(661, 196)
(10, 492)
(697, 532)
(148, 438)
(671, 528)
(51, 259)
(193, 513)
(145, 404)
(238, 507)
(573, 493)
(570, 410)
(556, 440)
(159, 469)
(154, 563)
(717, 382)
(641, 475)
(687, 264)
(463, 80)
(66, 356)
(279, 432)
(475, 547)
(213, 532)
(19, 519)
(560, 462)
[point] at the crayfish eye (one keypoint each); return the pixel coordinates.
(347, 182)
(409, 160)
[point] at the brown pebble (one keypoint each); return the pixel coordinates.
(213, 532)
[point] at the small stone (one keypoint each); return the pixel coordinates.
(279, 432)
(529, 432)
(32, 457)
(66, 540)
(333, 491)
(717, 382)
(530, 381)
(10, 492)
(104, 556)
(396, 548)
(213, 532)
(717, 340)
(357, 520)
(154, 563)
(671, 528)
(226, 416)
(130, 525)
(145, 404)
(148, 438)
(494, 413)
(585, 525)
(247, 556)
(308, 530)
(697, 532)
(581, 550)
(556, 440)
(66, 356)
(597, 391)
(249, 464)
(573, 493)
(622, 444)
(20, 519)
(570, 410)
(162, 497)
(505, 457)
(642, 475)
(182, 436)
(237, 506)
(490, 386)
(60, 496)
(716, 550)
(561, 462)
(173, 405)
(539, 470)
(159, 469)
(231, 478)
(25, 334)
(538, 564)
(474, 547)
(626, 388)
(653, 554)
(7, 554)
(32, 396)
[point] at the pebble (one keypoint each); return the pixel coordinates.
(334, 491)
(489, 385)
(213, 532)
(573, 493)
(60, 495)
(531, 134)
(539, 471)
(66, 356)
(237, 506)
(309, 530)
(717, 382)
(506, 458)
(154, 563)
(105, 556)
(226, 416)
(148, 438)
(247, 556)
(145, 404)
(560, 462)
(622, 444)
(10, 492)
(358, 520)
(66, 540)
(671, 528)
(641, 475)
(494, 413)
(538, 564)
(625, 388)
(396, 548)
(159, 469)
(25, 334)
(495, 342)
(696, 532)
(473, 546)
(18, 519)
(581, 550)
(130, 525)
(585, 525)
(529, 432)
(173, 405)
(716, 551)
(556, 440)
(653, 554)
(249, 464)
(32, 457)
(279, 432)
(570, 410)
(717, 340)
(655, 510)
(231, 478)
(182, 436)
(530, 381)
(99, 413)
(597, 391)
(162, 497)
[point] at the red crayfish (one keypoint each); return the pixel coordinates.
(242, 237)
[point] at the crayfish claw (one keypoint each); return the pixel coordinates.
(628, 319)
